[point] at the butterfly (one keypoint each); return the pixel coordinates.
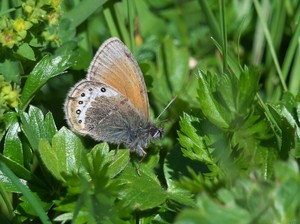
(111, 104)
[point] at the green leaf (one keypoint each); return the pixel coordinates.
(82, 11)
(48, 67)
(287, 205)
(118, 162)
(247, 87)
(226, 91)
(63, 156)
(136, 192)
(181, 196)
(26, 207)
(290, 130)
(33, 201)
(22, 173)
(210, 212)
(11, 70)
(26, 51)
(10, 118)
(12, 145)
(193, 145)
(250, 200)
(171, 72)
(35, 126)
(91, 193)
(209, 106)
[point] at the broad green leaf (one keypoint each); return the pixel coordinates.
(63, 156)
(139, 192)
(9, 118)
(13, 145)
(35, 126)
(50, 126)
(26, 51)
(209, 106)
(118, 162)
(48, 67)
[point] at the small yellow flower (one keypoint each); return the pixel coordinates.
(27, 8)
(21, 26)
(8, 38)
(53, 18)
(55, 3)
(6, 90)
(9, 95)
(12, 98)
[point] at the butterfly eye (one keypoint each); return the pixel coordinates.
(103, 90)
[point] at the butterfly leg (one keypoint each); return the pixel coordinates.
(140, 161)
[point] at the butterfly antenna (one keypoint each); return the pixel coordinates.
(171, 101)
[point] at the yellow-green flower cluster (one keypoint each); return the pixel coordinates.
(9, 96)
(34, 13)
(13, 31)
(35, 10)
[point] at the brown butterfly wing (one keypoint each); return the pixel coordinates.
(115, 66)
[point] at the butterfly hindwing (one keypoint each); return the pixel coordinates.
(80, 99)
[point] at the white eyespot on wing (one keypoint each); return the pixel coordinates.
(79, 100)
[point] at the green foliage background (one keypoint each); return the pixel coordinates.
(231, 148)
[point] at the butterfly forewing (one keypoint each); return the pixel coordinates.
(115, 66)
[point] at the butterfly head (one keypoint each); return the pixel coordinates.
(156, 132)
